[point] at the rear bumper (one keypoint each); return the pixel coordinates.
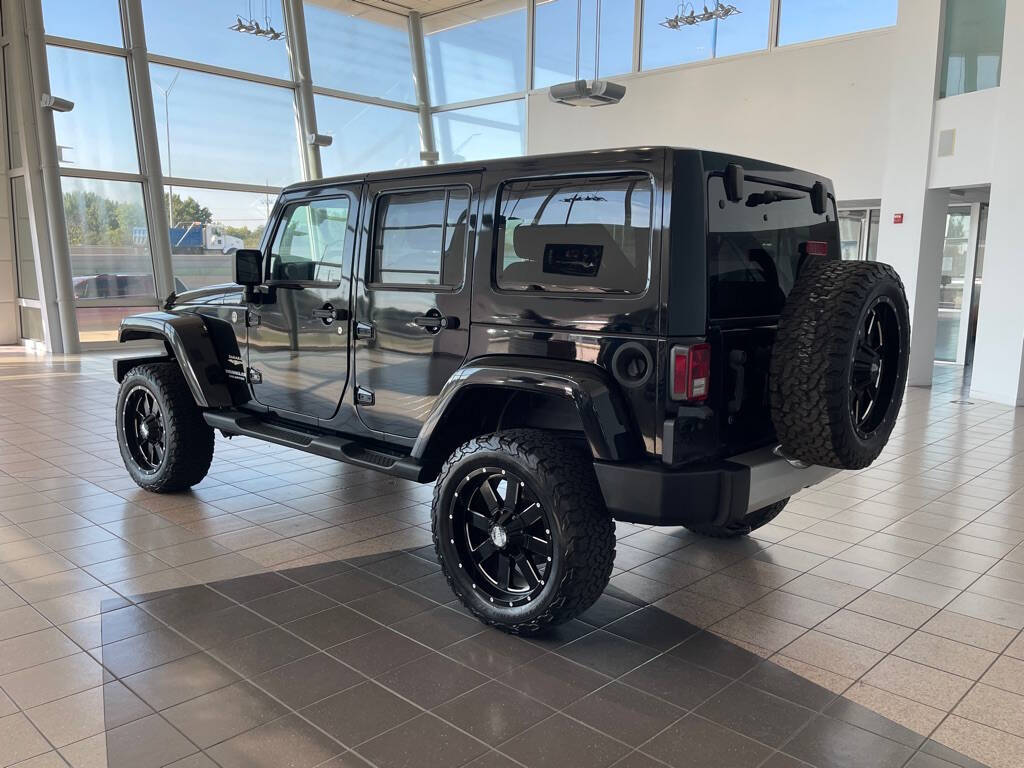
(716, 493)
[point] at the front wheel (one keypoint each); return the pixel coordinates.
(521, 530)
(165, 444)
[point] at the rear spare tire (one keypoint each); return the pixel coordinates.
(839, 363)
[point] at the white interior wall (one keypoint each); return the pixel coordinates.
(972, 117)
(822, 107)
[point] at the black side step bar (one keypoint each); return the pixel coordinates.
(332, 446)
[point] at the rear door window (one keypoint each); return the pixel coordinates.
(757, 245)
(581, 235)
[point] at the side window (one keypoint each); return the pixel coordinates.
(310, 243)
(580, 235)
(420, 237)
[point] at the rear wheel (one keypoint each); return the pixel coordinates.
(521, 530)
(751, 522)
(165, 444)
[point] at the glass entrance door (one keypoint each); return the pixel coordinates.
(956, 283)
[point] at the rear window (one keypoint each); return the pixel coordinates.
(585, 235)
(757, 245)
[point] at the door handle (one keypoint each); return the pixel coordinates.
(327, 313)
(431, 322)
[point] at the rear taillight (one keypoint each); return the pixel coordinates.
(691, 372)
(816, 248)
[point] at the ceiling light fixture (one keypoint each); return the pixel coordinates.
(684, 19)
(253, 27)
(587, 93)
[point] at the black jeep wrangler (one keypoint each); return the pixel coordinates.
(655, 335)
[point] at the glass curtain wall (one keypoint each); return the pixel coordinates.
(972, 48)
(602, 45)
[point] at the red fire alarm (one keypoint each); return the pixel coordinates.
(897, 218)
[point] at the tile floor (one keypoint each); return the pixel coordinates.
(289, 612)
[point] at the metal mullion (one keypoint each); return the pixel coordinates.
(118, 301)
(212, 69)
(514, 96)
(773, 24)
(302, 89)
(322, 90)
(418, 56)
(85, 45)
(224, 186)
(531, 41)
(638, 33)
(90, 173)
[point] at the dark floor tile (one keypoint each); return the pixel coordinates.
(305, 681)
(246, 588)
(493, 759)
(391, 605)
(347, 760)
(493, 652)
(561, 634)
(146, 743)
(554, 680)
(756, 714)
(348, 585)
(943, 752)
(185, 603)
(433, 586)
(924, 760)
(125, 622)
(833, 743)
(224, 713)
(653, 627)
(717, 654)
(856, 714)
(307, 574)
(211, 629)
(377, 652)
(769, 676)
(685, 685)
(606, 610)
(782, 760)
(559, 742)
(151, 649)
(424, 742)
(198, 760)
(694, 742)
(360, 713)
(291, 604)
(402, 568)
(331, 627)
(288, 741)
(625, 713)
(121, 706)
(261, 652)
(431, 680)
(439, 627)
(180, 680)
(493, 712)
(607, 653)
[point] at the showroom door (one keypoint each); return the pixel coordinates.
(412, 324)
(299, 328)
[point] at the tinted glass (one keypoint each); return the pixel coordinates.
(13, 121)
(802, 20)
(102, 23)
(99, 132)
(31, 323)
(310, 244)
(480, 133)
(28, 287)
(589, 235)
(756, 246)
(972, 48)
(476, 51)
(420, 237)
(108, 237)
(365, 53)
(201, 30)
(366, 137)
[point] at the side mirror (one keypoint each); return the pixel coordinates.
(733, 178)
(819, 198)
(248, 267)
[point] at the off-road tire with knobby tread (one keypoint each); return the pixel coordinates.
(809, 382)
(562, 476)
(188, 438)
(751, 522)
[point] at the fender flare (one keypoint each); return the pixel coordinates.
(607, 422)
(188, 341)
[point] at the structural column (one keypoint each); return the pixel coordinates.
(50, 172)
(305, 106)
(999, 349)
(149, 148)
(912, 216)
(428, 147)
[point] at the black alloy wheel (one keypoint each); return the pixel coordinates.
(502, 535)
(874, 368)
(144, 429)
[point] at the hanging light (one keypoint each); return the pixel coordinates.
(587, 93)
(684, 19)
(253, 27)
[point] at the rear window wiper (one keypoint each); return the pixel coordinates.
(771, 196)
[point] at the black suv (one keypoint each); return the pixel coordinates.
(654, 335)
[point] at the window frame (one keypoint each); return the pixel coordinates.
(270, 235)
(499, 235)
(371, 256)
